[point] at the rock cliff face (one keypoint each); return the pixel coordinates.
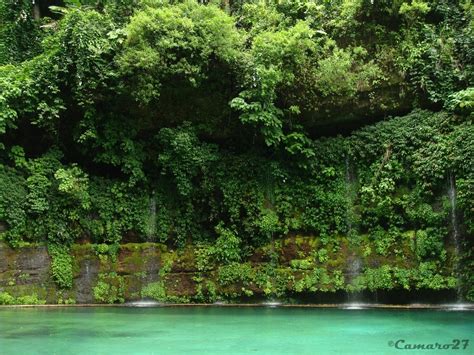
(25, 271)
(294, 269)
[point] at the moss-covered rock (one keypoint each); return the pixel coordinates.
(303, 265)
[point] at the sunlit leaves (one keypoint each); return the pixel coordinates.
(176, 43)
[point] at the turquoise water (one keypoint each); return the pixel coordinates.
(221, 330)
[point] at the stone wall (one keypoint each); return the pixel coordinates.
(290, 268)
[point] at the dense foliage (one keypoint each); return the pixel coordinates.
(231, 124)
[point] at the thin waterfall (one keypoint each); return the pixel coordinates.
(355, 264)
(87, 275)
(353, 272)
(152, 262)
(455, 231)
(272, 300)
(348, 183)
(151, 225)
(151, 266)
(86, 281)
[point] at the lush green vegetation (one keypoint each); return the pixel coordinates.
(229, 125)
(7, 299)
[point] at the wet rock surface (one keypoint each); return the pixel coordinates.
(298, 266)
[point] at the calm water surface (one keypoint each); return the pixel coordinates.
(201, 330)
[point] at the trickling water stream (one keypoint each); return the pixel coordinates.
(152, 266)
(455, 230)
(87, 274)
(349, 181)
(355, 263)
(152, 262)
(151, 227)
(87, 262)
(86, 281)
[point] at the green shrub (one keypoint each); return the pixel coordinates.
(235, 273)
(61, 265)
(322, 255)
(428, 277)
(6, 299)
(379, 279)
(110, 288)
(428, 243)
(227, 247)
(29, 299)
(158, 292)
(302, 264)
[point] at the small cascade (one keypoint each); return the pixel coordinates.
(143, 303)
(149, 276)
(349, 179)
(86, 281)
(151, 226)
(152, 265)
(458, 306)
(354, 299)
(274, 256)
(152, 262)
(272, 303)
(355, 306)
(87, 274)
(454, 219)
(354, 270)
(455, 230)
(355, 263)
(87, 262)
